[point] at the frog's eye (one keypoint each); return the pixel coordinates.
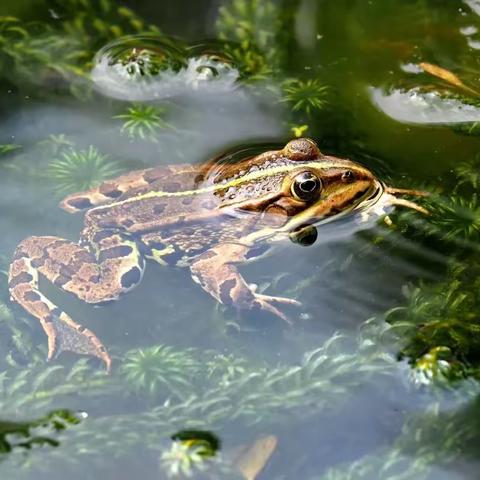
(306, 186)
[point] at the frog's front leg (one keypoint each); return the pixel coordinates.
(115, 268)
(217, 274)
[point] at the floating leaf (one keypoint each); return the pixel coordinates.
(447, 76)
(252, 460)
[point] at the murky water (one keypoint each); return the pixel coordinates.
(377, 377)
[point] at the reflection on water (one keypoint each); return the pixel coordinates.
(376, 379)
(152, 68)
(415, 106)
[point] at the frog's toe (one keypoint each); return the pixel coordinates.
(267, 306)
(270, 304)
(280, 300)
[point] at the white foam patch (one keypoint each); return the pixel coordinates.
(415, 106)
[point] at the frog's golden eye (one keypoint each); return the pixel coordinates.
(306, 186)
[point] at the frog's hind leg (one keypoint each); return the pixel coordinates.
(75, 270)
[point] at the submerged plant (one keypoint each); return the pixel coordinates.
(261, 30)
(454, 219)
(56, 144)
(184, 459)
(60, 54)
(305, 96)
(159, 370)
(468, 173)
(77, 170)
(40, 432)
(143, 122)
(8, 148)
(435, 367)
(225, 368)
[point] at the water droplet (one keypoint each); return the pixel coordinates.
(468, 30)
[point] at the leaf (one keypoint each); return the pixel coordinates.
(447, 76)
(252, 460)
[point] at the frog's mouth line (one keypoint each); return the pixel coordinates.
(376, 199)
(363, 201)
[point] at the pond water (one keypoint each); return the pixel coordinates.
(377, 376)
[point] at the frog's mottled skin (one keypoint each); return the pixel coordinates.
(207, 218)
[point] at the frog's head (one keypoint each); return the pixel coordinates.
(320, 186)
(299, 186)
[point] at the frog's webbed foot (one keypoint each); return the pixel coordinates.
(63, 333)
(67, 335)
(216, 273)
(75, 270)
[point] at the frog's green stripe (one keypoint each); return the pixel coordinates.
(233, 183)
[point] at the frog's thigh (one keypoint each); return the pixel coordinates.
(216, 273)
(120, 267)
(115, 269)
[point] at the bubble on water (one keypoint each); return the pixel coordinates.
(417, 106)
(411, 68)
(468, 30)
(149, 67)
(475, 44)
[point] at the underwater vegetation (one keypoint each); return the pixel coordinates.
(261, 30)
(76, 170)
(62, 54)
(442, 319)
(305, 96)
(36, 433)
(143, 122)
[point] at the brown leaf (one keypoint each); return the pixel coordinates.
(447, 76)
(252, 460)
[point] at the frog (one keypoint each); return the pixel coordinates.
(208, 218)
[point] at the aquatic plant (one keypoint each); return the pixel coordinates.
(8, 148)
(435, 366)
(456, 218)
(59, 54)
(225, 368)
(143, 122)
(159, 370)
(40, 432)
(97, 23)
(442, 315)
(468, 173)
(183, 459)
(305, 96)
(261, 30)
(57, 144)
(76, 170)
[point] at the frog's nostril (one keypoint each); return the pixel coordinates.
(348, 176)
(302, 149)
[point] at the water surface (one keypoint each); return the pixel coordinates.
(372, 382)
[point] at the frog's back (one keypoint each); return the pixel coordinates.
(162, 178)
